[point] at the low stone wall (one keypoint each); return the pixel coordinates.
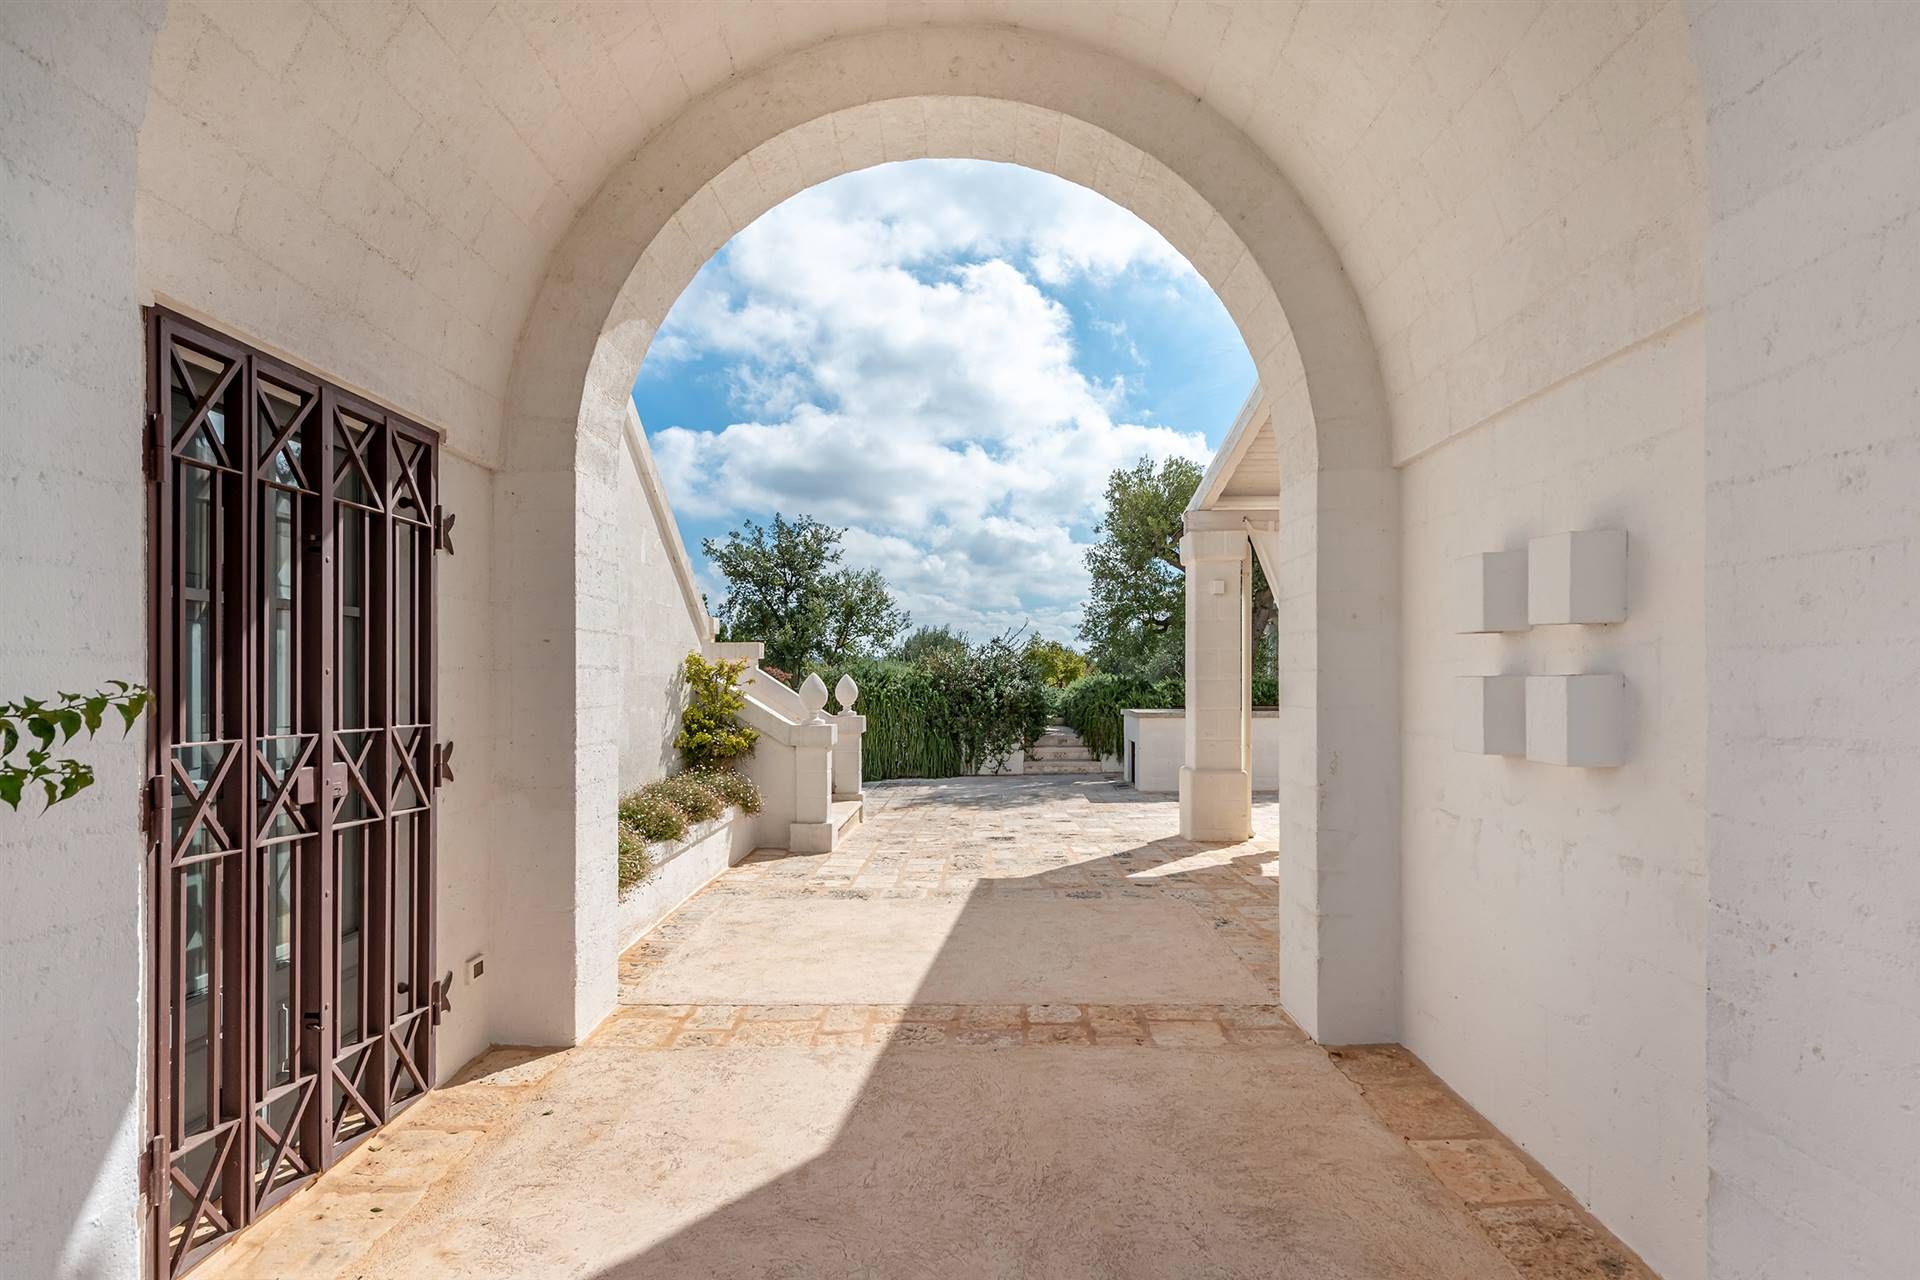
(681, 869)
(1155, 747)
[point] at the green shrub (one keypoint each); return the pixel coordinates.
(688, 793)
(1093, 705)
(710, 736)
(635, 865)
(734, 788)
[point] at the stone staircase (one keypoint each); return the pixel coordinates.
(1060, 751)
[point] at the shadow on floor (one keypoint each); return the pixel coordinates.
(996, 1134)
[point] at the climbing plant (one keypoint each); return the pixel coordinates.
(50, 725)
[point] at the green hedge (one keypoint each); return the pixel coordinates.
(946, 713)
(1094, 706)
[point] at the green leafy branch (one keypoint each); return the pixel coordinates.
(54, 724)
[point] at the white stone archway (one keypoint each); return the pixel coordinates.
(987, 93)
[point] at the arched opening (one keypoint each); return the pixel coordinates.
(1082, 116)
(1533, 205)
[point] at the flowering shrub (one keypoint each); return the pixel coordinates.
(687, 793)
(635, 865)
(734, 788)
(664, 810)
(652, 816)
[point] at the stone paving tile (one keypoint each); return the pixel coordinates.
(1558, 1242)
(1420, 1109)
(851, 1025)
(1481, 1171)
(1533, 1220)
(1067, 843)
(1376, 1063)
(1187, 1035)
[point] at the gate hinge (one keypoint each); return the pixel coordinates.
(442, 764)
(150, 446)
(443, 529)
(153, 799)
(152, 1180)
(441, 1001)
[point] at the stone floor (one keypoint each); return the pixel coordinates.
(1013, 1027)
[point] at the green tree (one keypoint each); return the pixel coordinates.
(785, 588)
(861, 616)
(1055, 664)
(926, 641)
(1135, 617)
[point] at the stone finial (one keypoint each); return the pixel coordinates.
(813, 697)
(846, 692)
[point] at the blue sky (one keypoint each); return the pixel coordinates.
(947, 358)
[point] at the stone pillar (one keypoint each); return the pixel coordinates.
(1216, 782)
(813, 742)
(846, 751)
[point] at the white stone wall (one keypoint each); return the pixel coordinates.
(73, 594)
(1554, 916)
(1813, 638)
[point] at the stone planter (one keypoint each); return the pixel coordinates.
(681, 868)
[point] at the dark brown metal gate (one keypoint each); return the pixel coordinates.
(291, 809)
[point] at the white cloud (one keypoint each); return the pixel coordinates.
(903, 366)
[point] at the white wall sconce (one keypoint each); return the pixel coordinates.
(1490, 715)
(1577, 720)
(1492, 592)
(1578, 577)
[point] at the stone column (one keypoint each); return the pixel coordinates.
(813, 742)
(846, 751)
(1216, 782)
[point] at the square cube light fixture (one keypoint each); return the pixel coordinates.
(1492, 592)
(1578, 577)
(1490, 715)
(1578, 720)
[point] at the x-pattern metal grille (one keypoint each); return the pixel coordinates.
(200, 799)
(284, 1152)
(205, 1208)
(354, 749)
(291, 803)
(209, 389)
(283, 814)
(281, 458)
(352, 1107)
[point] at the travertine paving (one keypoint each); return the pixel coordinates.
(1013, 1027)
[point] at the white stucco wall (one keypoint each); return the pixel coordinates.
(657, 619)
(1554, 916)
(467, 914)
(73, 582)
(1158, 741)
(1813, 638)
(1507, 191)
